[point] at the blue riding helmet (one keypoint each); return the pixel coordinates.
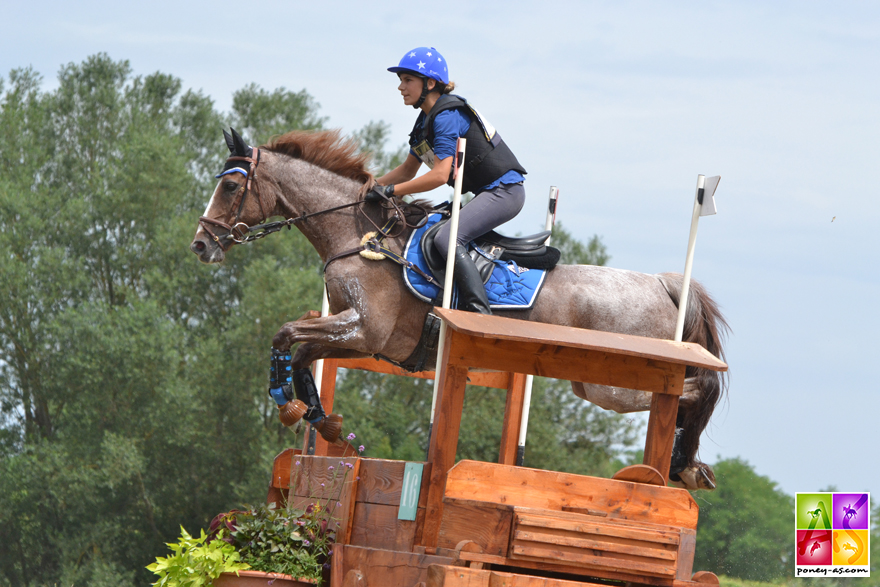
(424, 62)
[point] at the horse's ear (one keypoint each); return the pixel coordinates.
(241, 148)
(229, 141)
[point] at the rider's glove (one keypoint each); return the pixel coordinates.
(379, 193)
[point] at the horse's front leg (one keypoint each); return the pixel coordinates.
(292, 384)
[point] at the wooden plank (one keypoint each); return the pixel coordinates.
(579, 571)
(381, 568)
(616, 528)
(496, 327)
(513, 409)
(328, 395)
(686, 555)
(487, 525)
(281, 468)
(446, 576)
(444, 437)
(381, 481)
(661, 433)
(524, 536)
(377, 526)
(575, 556)
(494, 379)
(551, 490)
(574, 364)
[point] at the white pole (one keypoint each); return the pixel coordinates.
(530, 379)
(689, 262)
(450, 265)
(319, 364)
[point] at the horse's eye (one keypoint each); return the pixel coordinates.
(230, 186)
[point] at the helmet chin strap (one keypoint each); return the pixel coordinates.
(424, 95)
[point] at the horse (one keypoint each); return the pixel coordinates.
(317, 180)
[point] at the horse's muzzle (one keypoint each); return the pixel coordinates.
(207, 250)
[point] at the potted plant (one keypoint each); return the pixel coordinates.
(256, 546)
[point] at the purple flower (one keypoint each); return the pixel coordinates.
(298, 463)
(330, 468)
(306, 543)
(361, 448)
(339, 504)
(351, 436)
(358, 478)
(349, 465)
(322, 485)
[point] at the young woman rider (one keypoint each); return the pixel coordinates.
(491, 171)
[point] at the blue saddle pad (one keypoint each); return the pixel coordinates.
(510, 287)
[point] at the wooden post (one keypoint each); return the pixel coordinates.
(514, 412)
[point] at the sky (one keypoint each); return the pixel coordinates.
(619, 104)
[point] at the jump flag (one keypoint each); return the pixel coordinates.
(704, 205)
(707, 198)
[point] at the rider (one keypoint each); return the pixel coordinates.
(491, 171)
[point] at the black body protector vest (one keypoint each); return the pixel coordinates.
(486, 157)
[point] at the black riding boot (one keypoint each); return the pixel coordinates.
(471, 293)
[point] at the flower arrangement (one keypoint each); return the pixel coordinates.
(268, 538)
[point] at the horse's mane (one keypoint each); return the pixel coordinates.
(326, 149)
(330, 151)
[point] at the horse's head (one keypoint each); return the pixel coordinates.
(234, 204)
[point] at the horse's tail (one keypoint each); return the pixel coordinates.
(704, 325)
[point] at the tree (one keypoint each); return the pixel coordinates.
(745, 528)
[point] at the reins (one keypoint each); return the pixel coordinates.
(239, 232)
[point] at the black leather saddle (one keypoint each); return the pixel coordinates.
(527, 251)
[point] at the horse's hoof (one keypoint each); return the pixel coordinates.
(700, 476)
(330, 427)
(291, 412)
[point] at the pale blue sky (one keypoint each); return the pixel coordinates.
(621, 105)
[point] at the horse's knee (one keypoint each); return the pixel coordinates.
(283, 339)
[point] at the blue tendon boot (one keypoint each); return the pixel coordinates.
(290, 410)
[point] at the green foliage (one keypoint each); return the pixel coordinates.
(133, 378)
(574, 252)
(746, 525)
(195, 562)
(288, 541)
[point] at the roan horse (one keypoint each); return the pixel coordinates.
(317, 181)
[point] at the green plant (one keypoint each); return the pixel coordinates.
(196, 561)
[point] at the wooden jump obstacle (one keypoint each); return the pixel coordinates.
(493, 525)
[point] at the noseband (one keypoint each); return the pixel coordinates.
(236, 233)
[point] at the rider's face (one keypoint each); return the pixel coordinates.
(410, 88)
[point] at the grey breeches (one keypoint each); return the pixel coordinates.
(486, 211)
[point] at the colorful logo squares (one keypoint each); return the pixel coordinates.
(831, 534)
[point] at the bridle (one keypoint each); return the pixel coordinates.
(238, 231)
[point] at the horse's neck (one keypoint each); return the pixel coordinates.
(303, 188)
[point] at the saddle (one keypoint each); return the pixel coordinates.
(532, 252)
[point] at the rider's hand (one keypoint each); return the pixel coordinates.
(379, 193)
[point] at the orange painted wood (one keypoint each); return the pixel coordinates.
(281, 468)
(661, 433)
(591, 562)
(444, 436)
(327, 392)
(640, 474)
(446, 576)
(492, 379)
(572, 363)
(557, 567)
(533, 488)
(705, 578)
(607, 528)
(513, 409)
(496, 327)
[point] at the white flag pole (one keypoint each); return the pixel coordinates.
(450, 267)
(689, 261)
(530, 379)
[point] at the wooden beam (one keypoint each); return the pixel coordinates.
(493, 379)
(513, 410)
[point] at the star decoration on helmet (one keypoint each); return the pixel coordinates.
(429, 53)
(412, 54)
(421, 65)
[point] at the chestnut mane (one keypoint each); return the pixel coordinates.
(326, 149)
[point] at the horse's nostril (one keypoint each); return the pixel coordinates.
(197, 246)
